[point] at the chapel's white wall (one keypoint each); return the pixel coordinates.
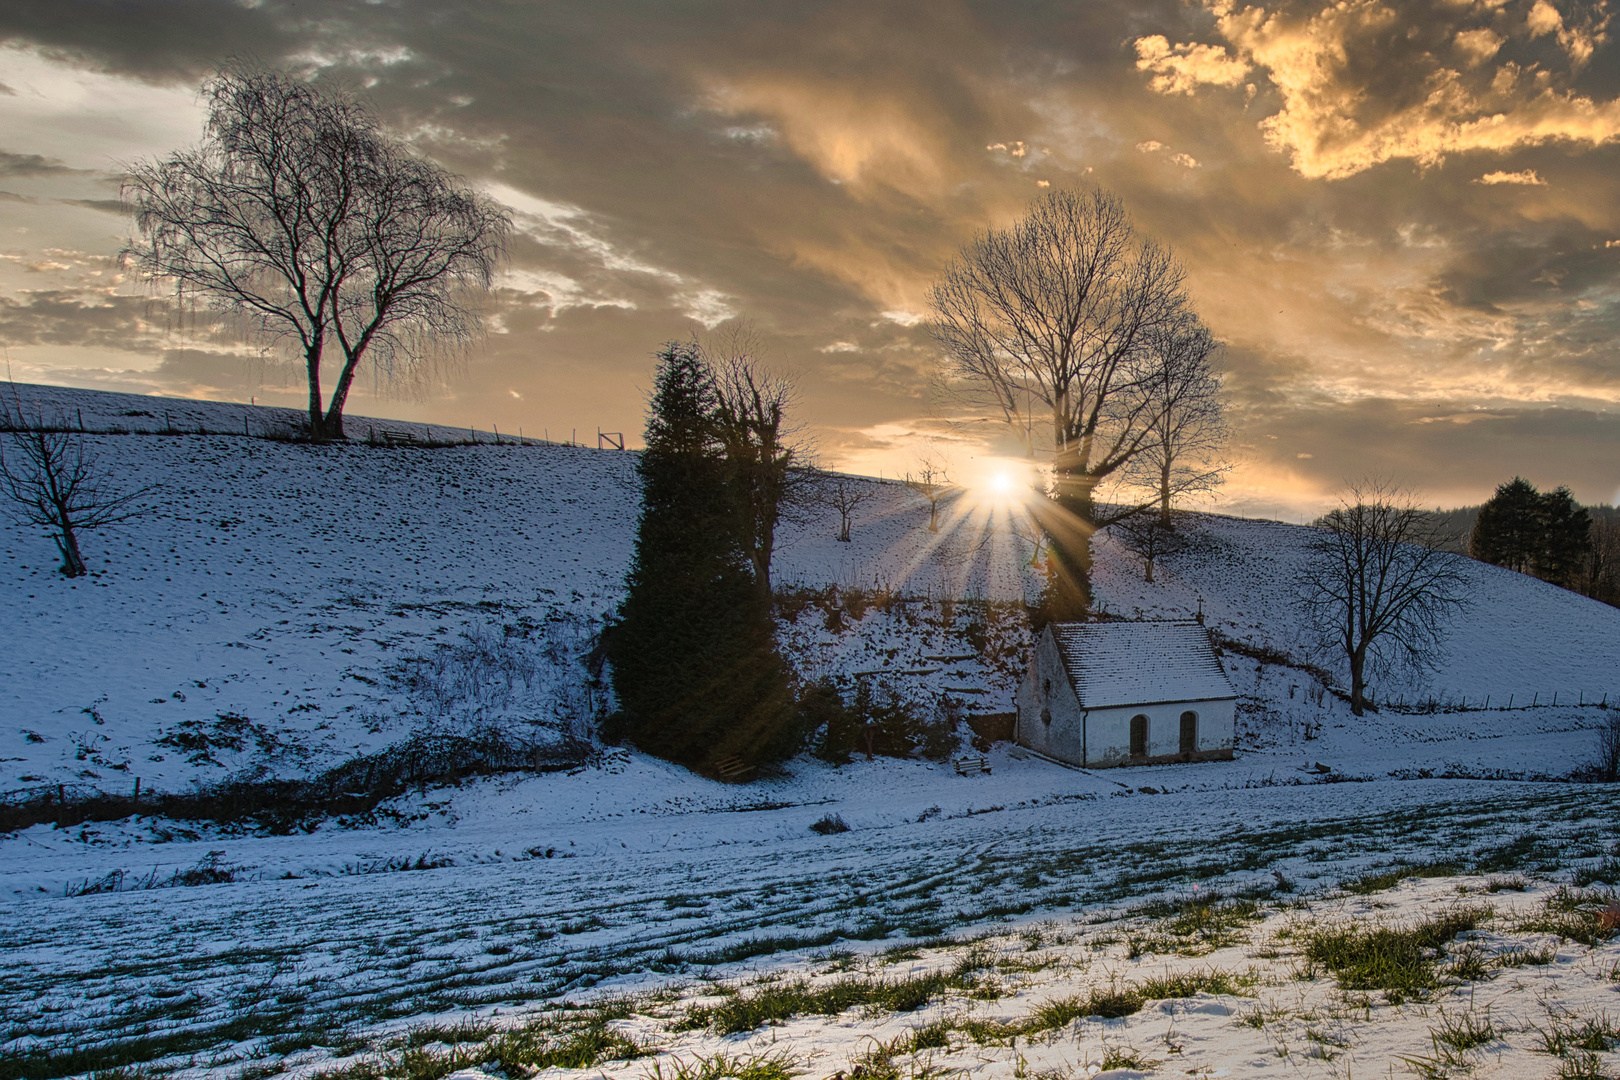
(1109, 730)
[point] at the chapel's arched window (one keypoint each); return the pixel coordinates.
(1189, 732)
(1139, 735)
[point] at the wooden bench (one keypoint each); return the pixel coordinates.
(400, 438)
(732, 768)
(972, 765)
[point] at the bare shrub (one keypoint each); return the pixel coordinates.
(502, 673)
(830, 824)
(1608, 762)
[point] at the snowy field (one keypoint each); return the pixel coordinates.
(285, 609)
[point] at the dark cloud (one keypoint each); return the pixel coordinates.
(1444, 452)
(31, 165)
(70, 317)
(158, 40)
(106, 206)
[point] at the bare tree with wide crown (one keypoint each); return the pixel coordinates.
(1058, 326)
(300, 219)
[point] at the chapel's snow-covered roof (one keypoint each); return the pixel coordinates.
(1140, 663)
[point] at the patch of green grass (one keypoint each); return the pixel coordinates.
(552, 1041)
(980, 956)
(776, 1066)
(1606, 872)
(126, 1057)
(935, 1036)
(1193, 927)
(878, 1063)
(462, 1032)
(1368, 884)
(1124, 1057)
(1324, 1046)
(1526, 957)
(517, 1052)
(1581, 1066)
(1466, 1031)
(1596, 1035)
(1576, 915)
(1259, 1017)
(1126, 1000)
(1468, 964)
(1507, 883)
(1401, 961)
(988, 1032)
(781, 1001)
(763, 945)
(1452, 1041)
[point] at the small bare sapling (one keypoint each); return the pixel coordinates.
(50, 480)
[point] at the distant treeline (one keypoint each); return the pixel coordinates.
(1544, 534)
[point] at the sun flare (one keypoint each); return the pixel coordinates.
(999, 482)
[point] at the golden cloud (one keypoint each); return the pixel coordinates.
(851, 137)
(1528, 176)
(1181, 69)
(1478, 46)
(1347, 107)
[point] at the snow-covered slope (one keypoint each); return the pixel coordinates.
(1519, 636)
(284, 607)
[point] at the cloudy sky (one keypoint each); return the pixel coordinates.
(1402, 219)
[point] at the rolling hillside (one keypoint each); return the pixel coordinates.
(285, 607)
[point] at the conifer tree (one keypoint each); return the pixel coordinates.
(1548, 535)
(695, 665)
(1566, 538)
(1507, 531)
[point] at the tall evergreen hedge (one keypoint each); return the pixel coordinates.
(695, 665)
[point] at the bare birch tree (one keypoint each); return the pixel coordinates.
(51, 481)
(1048, 324)
(1377, 588)
(297, 216)
(1186, 415)
(765, 457)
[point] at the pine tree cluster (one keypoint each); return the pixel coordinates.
(1544, 534)
(696, 669)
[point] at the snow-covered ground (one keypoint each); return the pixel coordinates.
(285, 608)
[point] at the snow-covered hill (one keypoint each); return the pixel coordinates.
(284, 607)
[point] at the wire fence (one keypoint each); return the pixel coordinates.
(1460, 701)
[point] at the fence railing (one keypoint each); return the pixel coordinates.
(1458, 701)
